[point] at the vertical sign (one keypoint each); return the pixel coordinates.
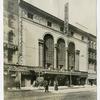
(66, 19)
(20, 58)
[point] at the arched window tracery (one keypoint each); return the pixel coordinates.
(60, 53)
(48, 51)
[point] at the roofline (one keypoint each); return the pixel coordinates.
(44, 13)
(54, 18)
(81, 31)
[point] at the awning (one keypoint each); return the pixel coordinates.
(78, 73)
(28, 69)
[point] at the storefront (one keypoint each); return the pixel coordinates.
(92, 80)
(18, 76)
(65, 78)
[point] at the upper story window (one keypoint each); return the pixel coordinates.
(82, 37)
(11, 5)
(11, 20)
(30, 15)
(10, 36)
(72, 33)
(90, 44)
(10, 55)
(61, 29)
(49, 23)
(94, 45)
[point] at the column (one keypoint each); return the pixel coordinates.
(55, 56)
(41, 53)
(19, 75)
(77, 59)
(66, 62)
(18, 78)
(86, 81)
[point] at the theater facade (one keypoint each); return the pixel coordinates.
(37, 48)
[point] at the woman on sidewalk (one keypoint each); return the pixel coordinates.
(56, 85)
(46, 86)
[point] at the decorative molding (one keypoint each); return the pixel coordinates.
(77, 51)
(40, 41)
(56, 45)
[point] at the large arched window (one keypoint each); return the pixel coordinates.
(71, 56)
(48, 51)
(60, 53)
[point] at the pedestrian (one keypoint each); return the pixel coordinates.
(91, 83)
(34, 83)
(46, 86)
(56, 85)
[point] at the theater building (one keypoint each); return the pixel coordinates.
(37, 48)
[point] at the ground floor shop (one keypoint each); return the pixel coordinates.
(28, 77)
(92, 79)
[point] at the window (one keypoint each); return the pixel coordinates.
(48, 51)
(11, 20)
(71, 55)
(11, 7)
(82, 37)
(94, 45)
(10, 36)
(61, 29)
(72, 33)
(49, 23)
(30, 15)
(91, 44)
(60, 53)
(10, 55)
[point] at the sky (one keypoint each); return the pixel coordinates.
(82, 13)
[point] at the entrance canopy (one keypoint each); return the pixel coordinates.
(37, 69)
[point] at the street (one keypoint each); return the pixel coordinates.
(41, 95)
(70, 96)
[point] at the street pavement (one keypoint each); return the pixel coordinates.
(64, 93)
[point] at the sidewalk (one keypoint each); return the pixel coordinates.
(63, 89)
(76, 89)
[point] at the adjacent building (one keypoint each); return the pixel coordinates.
(92, 77)
(36, 48)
